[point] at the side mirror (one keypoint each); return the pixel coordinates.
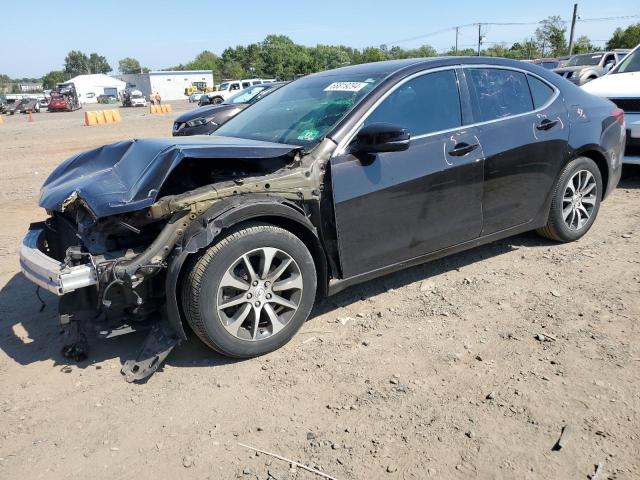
(381, 137)
(608, 67)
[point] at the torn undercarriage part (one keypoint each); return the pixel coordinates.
(157, 346)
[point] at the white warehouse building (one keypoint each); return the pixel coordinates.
(169, 84)
(89, 87)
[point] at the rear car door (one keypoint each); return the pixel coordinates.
(523, 126)
(397, 206)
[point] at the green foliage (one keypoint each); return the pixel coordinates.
(277, 56)
(583, 45)
(76, 63)
(627, 38)
(551, 37)
(129, 65)
(51, 79)
(98, 64)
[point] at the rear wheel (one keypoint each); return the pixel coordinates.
(576, 201)
(248, 294)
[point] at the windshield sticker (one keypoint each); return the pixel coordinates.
(346, 87)
(308, 135)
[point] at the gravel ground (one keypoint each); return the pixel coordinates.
(467, 367)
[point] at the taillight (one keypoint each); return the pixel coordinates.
(618, 114)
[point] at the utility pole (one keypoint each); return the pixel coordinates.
(479, 37)
(457, 30)
(573, 27)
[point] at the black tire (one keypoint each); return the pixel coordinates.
(556, 227)
(217, 100)
(204, 276)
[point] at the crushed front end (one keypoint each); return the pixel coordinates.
(116, 215)
(98, 269)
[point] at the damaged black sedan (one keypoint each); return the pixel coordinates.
(329, 181)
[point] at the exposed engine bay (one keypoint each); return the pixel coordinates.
(129, 253)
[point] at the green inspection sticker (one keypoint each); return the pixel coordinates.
(308, 135)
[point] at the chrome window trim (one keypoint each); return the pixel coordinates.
(340, 150)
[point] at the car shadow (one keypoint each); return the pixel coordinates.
(427, 270)
(630, 177)
(30, 332)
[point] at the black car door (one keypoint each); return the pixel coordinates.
(524, 133)
(397, 206)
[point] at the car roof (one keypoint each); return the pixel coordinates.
(390, 67)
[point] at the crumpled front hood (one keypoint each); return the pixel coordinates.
(127, 176)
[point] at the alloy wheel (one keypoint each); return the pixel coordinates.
(259, 294)
(579, 199)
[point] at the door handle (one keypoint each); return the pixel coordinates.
(546, 124)
(462, 149)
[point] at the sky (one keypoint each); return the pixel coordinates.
(162, 34)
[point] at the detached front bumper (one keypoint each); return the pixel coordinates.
(49, 273)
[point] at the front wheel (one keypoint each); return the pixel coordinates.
(249, 294)
(217, 100)
(576, 201)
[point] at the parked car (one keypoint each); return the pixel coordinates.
(226, 89)
(622, 86)
(133, 98)
(205, 120)
(108, 99)
(548, 63)
(23, 105)
(581, 69)
(329, 181)
(196, 96)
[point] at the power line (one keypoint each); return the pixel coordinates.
(503, 24)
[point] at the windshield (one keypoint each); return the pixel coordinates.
(631, 63)
(223, 87)
(579, 60)
(302, 112)
(136, 95)
(245, 95)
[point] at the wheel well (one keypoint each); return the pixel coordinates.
(601, 162)
(310, 240)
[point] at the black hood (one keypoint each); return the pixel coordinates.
(127, 176)
(207, 111)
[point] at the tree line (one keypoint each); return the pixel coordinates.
(277, 56)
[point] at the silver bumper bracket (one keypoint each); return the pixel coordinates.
(49, 273)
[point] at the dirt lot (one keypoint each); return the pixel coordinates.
(467, 367)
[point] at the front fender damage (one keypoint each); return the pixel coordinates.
(186, 223)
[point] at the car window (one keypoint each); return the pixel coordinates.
(235, 86)
(429, 103)
(302, 112)
(631, 63)
(584, 60)
(540, 91)
(498, 93)
(244, 95)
